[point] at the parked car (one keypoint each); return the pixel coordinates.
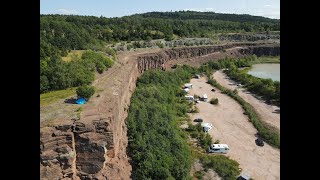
(244, 177)
(198, 120)
(259, 142)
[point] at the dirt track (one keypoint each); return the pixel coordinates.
(266, 112)
(232, 127)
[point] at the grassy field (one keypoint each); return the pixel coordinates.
(53, 96)
(73, 53)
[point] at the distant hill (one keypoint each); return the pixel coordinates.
(68, 32)
(195, 15)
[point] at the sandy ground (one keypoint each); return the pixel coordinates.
(266, 112)
(232, 127)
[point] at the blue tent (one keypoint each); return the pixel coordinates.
(81, 101)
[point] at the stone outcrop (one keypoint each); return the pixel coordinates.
(94, 147)
(249, 37)
(158, 60)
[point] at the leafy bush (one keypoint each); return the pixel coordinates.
(235, 91)
(199, 175)
(196, 131)
(226, 168)
(214, 101)
(85, 91)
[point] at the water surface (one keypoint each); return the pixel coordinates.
(266, 71)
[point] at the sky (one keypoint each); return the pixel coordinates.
(118, 8)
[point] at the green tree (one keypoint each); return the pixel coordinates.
(85, 91)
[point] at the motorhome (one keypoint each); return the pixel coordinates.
(204, 98)
(188, 97)
(186, 90)
(188, 85)
(206, 126)
(218, 148)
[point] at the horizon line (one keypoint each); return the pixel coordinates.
(156, 11)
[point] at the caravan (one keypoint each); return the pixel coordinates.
(206, 126)
(188, 85)
(218, 148)
(204, 98)
(188, 97)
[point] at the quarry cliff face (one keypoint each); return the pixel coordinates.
(94, 147)
(249, 37)
(198, 55)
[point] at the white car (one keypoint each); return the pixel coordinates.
(206, 126)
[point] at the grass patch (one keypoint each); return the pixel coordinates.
(73, 53)
(53, 96)
(267, 59)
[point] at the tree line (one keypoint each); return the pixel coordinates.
(67, 32)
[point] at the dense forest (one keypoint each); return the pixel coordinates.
(157, 145)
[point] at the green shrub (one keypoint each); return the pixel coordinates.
(199, 175)
(214, 101)
(85, 91)
(225, 167)
(235, 91)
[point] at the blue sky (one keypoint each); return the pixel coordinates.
(118, 8)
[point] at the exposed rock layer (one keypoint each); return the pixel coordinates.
(158, 60)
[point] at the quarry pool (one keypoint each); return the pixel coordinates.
(266, 71)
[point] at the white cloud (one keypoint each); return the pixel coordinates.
(209, 9)
(199, 9)
(267, 5)
(67, 11)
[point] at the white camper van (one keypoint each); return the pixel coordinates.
(186, 90)
(188, 85)
(188, 97)
(206, 126)
(218, 148)
(205, 98)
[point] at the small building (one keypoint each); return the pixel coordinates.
(188, 85)
(189, 97)
(81, 101)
